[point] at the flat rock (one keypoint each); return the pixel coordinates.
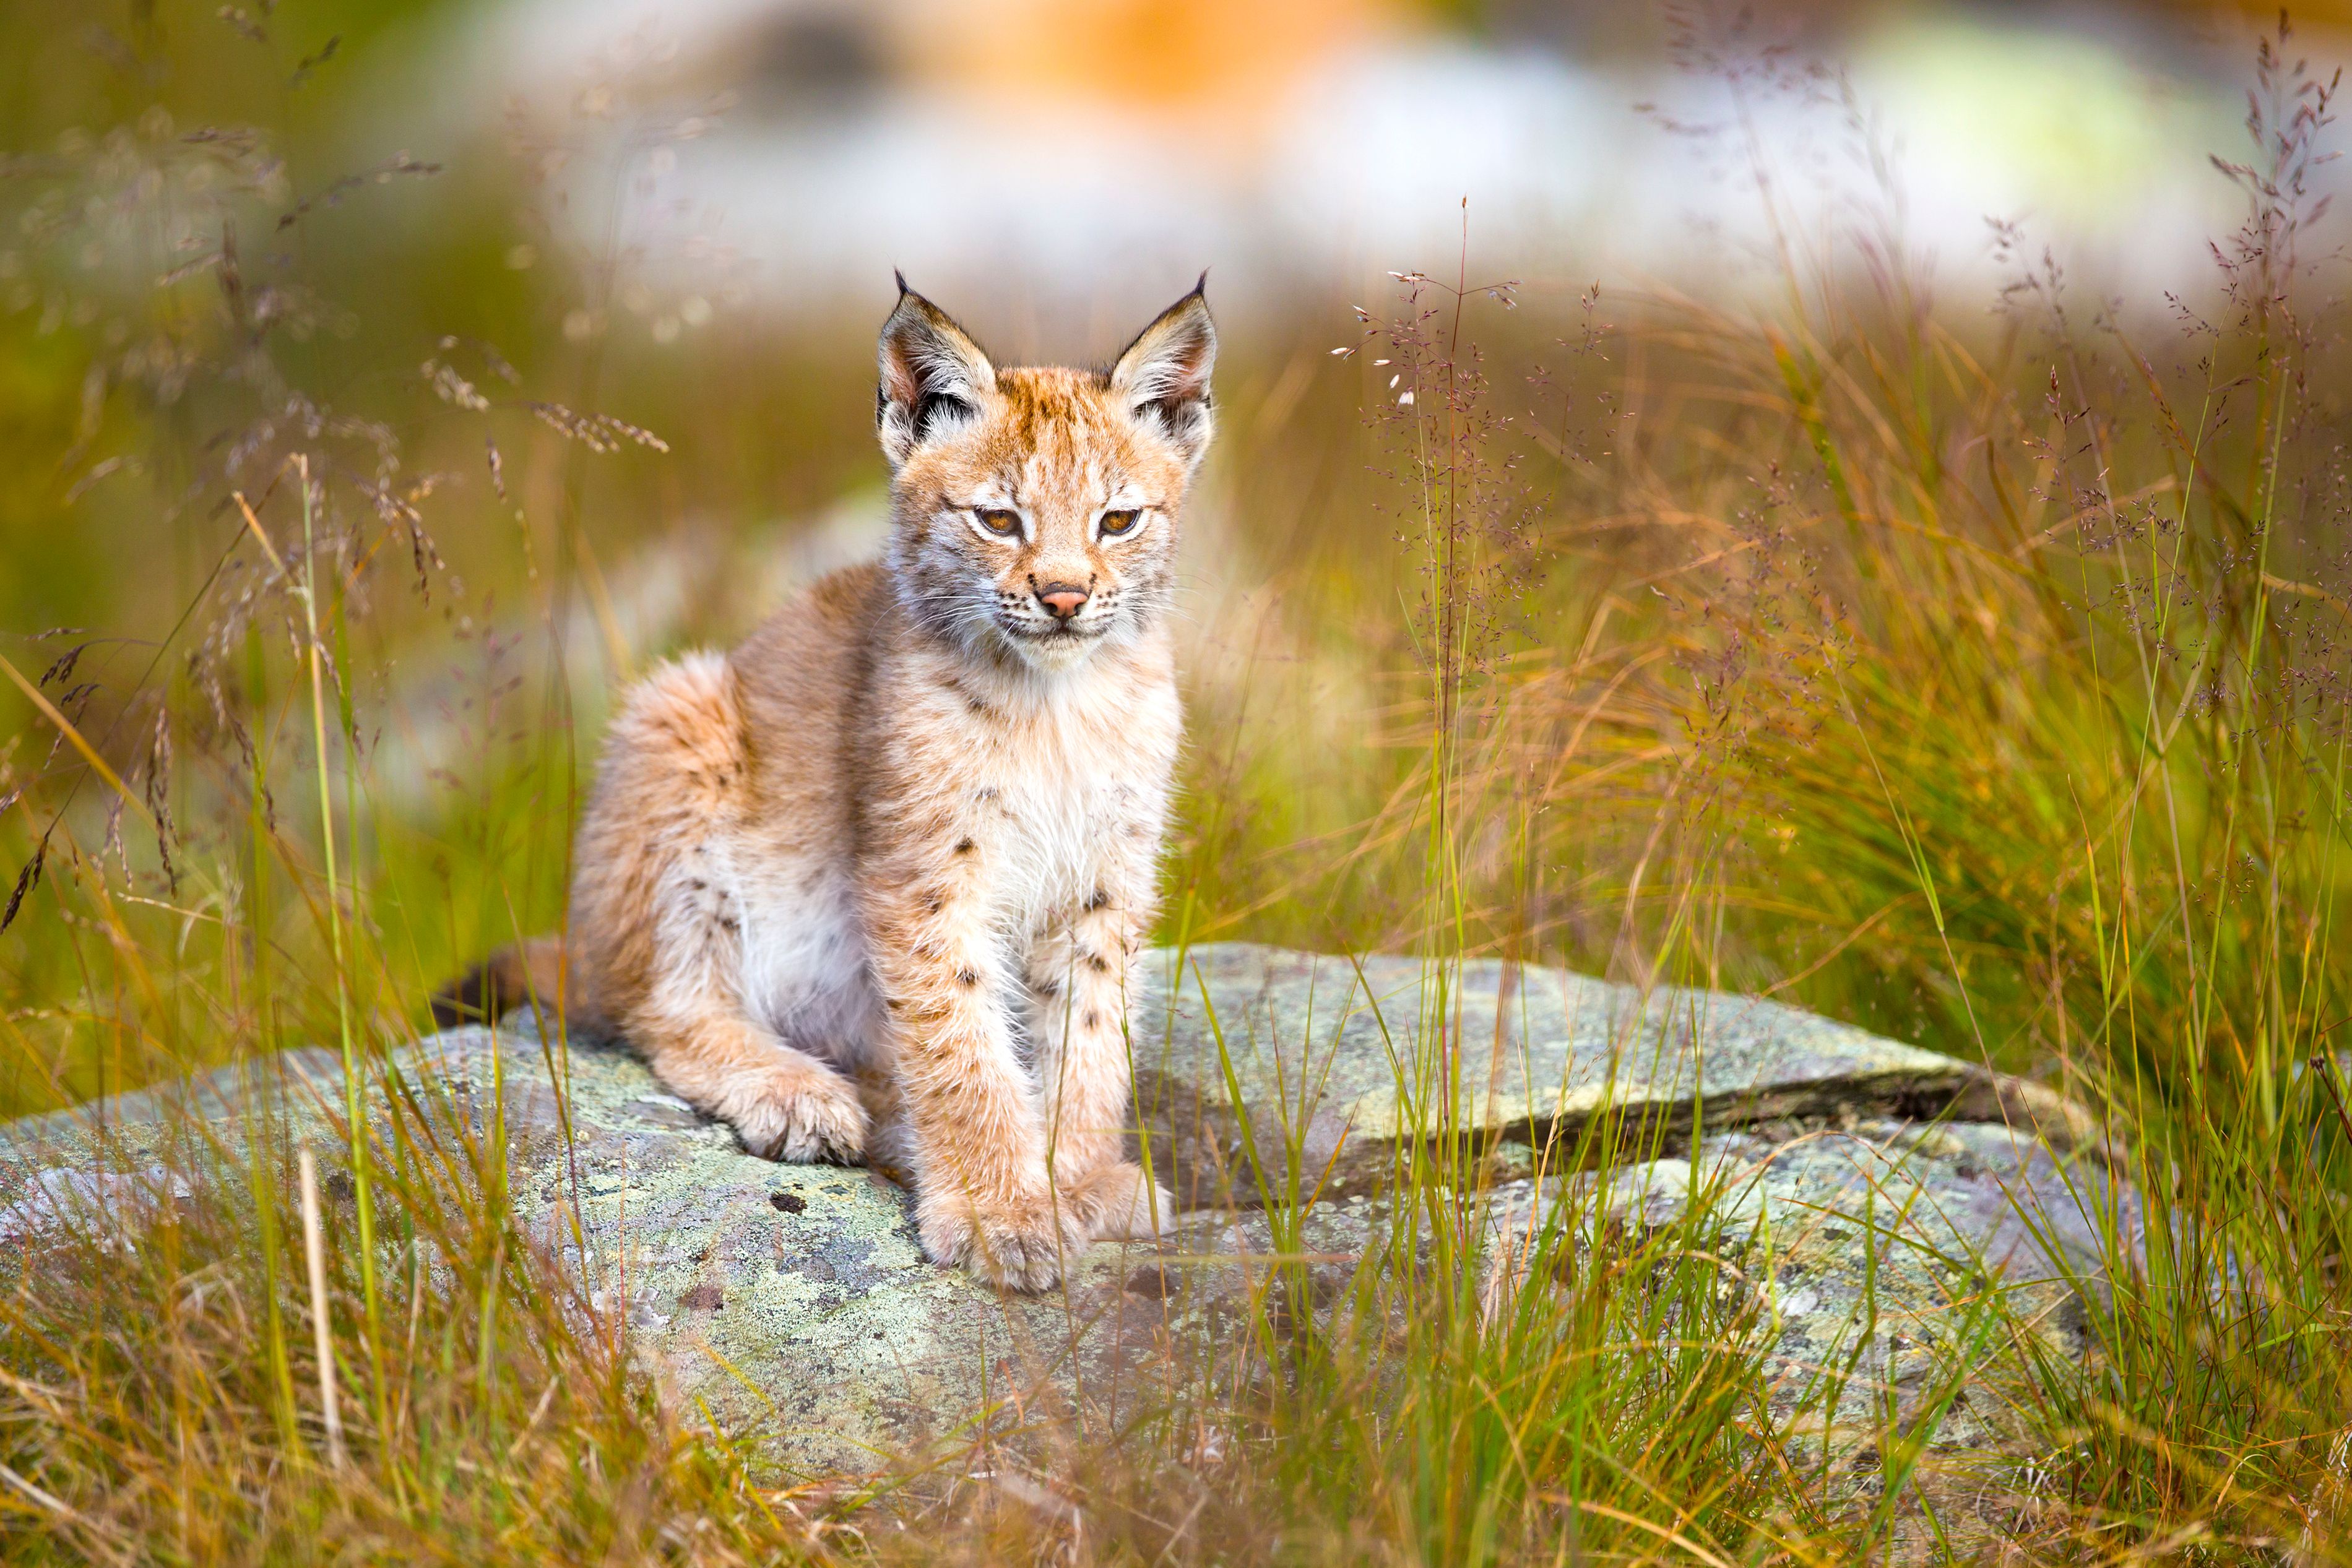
(794, 1301)
(790, 1300)
(1888, 1260)
(1310, 1064)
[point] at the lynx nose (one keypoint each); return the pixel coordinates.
(1064, 599)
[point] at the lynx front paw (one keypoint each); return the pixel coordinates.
(802, 1115)
(1022, 1244)
(1118, 1202)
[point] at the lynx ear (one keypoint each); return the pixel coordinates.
(932, 376)
(1164, 376)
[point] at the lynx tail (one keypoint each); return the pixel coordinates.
(508, 979)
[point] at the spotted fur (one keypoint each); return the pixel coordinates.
(869, 885)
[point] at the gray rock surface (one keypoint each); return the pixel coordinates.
(1327, 1077)
(1872, 1192)
(1888, 1258)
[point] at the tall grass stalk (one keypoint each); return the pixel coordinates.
(314, 1253)
(354, 1082)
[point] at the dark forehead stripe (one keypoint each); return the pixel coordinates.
(1052, 395)
(1058, 414)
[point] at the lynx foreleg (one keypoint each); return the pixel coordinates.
(1077, 981)
(984, 1198)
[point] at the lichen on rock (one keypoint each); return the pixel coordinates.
(794, 1301)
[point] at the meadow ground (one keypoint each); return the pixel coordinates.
(1978, 677)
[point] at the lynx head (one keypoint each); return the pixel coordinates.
(1035, 509)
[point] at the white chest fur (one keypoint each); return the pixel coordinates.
(1086, 779)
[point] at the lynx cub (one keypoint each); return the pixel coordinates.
(903, 838)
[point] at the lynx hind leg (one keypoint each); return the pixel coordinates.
(658, 919)
(783, 1104)
(1117, 1202)
(891, 1150)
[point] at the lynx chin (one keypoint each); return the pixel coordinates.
(869, 885)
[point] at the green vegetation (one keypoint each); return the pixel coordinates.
(1982, 680)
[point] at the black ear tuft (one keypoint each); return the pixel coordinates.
(1164, 374)
(932, 375)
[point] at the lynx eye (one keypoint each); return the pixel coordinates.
(1118, 524)
(998, 520)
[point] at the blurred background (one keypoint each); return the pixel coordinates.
(670, 182)
(1057, 159)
